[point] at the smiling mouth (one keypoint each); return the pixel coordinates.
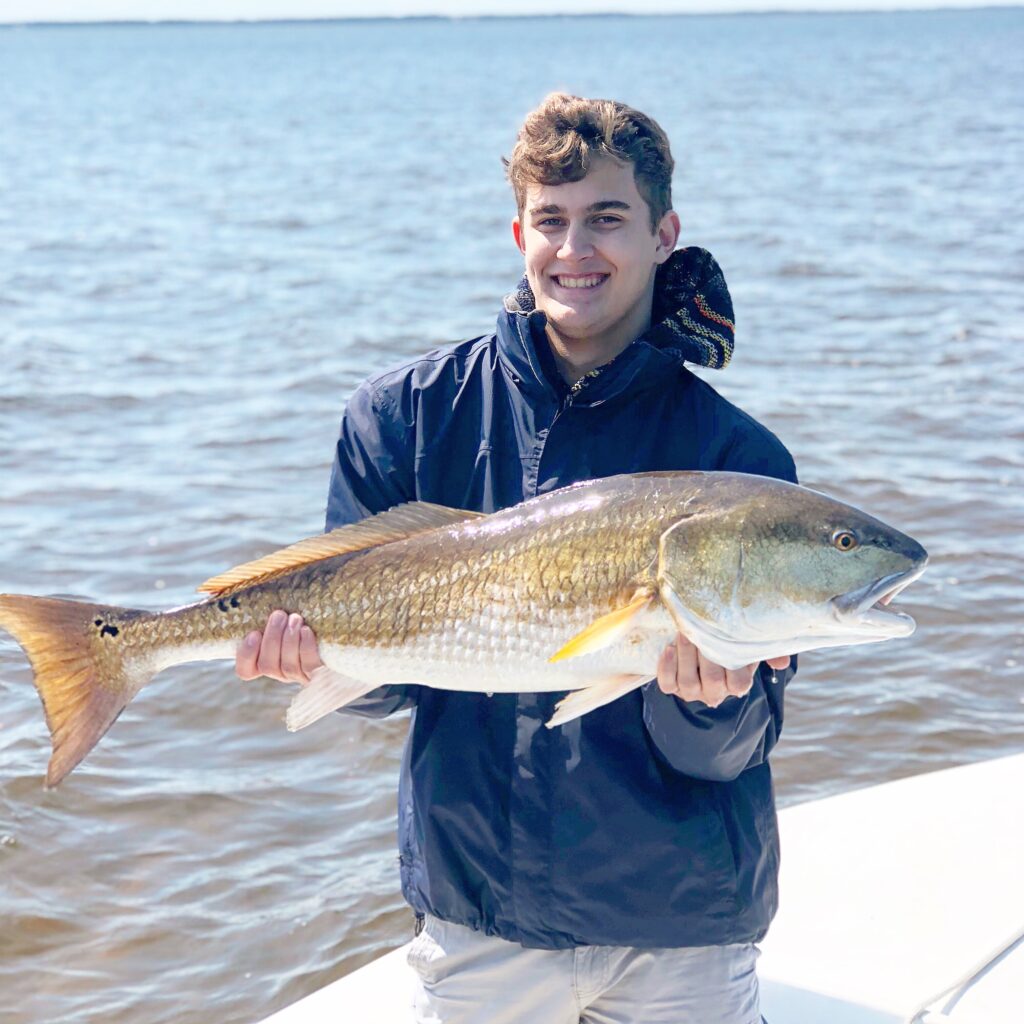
(579, 281)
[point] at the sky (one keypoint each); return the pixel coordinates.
(231, 10)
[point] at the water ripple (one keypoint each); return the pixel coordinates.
(212, 234)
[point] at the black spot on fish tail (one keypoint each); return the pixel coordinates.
(235, 603)
(109, 631)
(222, 605)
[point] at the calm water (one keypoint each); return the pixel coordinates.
(209, 235)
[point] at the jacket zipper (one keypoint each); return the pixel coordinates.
(570, 396)
(574, 392)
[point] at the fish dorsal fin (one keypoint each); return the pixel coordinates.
(397, 523)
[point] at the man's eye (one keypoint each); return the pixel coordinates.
(608, 219)
(550, 222)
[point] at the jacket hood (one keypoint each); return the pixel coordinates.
(692, 322)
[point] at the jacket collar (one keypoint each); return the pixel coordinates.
(692, 322)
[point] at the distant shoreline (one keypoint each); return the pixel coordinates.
(389, 19)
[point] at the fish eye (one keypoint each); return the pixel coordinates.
(845, 540)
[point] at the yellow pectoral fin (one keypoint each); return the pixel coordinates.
(607, 629)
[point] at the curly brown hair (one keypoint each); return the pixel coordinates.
(561, 138)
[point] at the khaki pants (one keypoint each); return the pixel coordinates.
(466, 977)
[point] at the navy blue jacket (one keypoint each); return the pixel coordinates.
(650, 821)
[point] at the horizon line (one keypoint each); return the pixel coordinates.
(956, 5)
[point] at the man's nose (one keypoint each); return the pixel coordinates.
(576, 244)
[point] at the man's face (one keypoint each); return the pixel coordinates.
(591, 256)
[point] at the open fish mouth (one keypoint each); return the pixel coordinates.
(871, 605)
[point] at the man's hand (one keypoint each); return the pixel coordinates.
(684, 672)
(286, 650)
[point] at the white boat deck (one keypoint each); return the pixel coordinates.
(902, 902)
(893, 895)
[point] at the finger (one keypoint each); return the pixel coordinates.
(739, 681)
(269, 660)
(778, 663)
(246, 655)
(309, 652)
(712, 682)
(687, 670)
(290, 669)
(667, 670)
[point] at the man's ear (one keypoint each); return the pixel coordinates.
(668, 235)
(517, 234)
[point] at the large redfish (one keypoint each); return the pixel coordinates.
(575, 590)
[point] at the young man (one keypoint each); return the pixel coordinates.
(622, 866)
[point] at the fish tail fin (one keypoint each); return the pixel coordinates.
(82, 668)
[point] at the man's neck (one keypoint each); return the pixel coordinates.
(576, 357)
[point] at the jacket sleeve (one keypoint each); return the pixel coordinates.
(719, 743)
(370, 475)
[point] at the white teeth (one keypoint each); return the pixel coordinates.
(580, 282)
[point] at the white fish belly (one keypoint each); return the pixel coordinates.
(504, 657)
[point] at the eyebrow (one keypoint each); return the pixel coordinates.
(604, 204)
